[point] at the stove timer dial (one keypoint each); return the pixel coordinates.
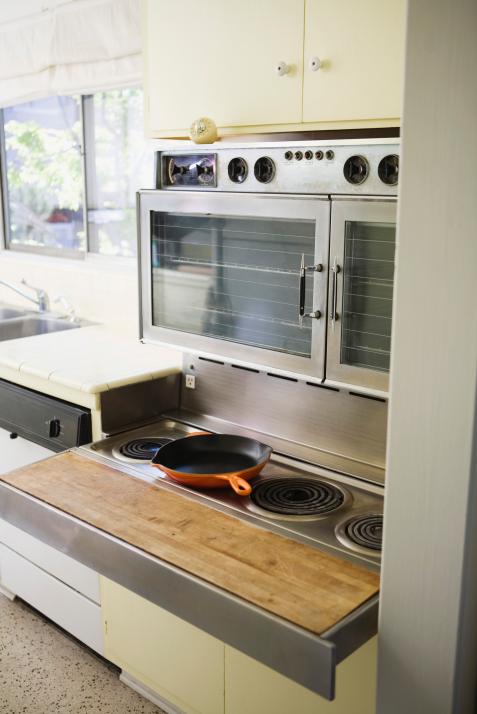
(189, 170)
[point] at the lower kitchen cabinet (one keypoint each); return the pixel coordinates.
(17, 452)
(253, 688)
(183, 664)
(199, 674)
(69, 608)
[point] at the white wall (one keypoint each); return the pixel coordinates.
(428, 608)
(100, 289)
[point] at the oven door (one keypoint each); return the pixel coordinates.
(362, 247)
(220, 275)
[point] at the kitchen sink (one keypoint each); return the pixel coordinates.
(12, 329)
(6, 313)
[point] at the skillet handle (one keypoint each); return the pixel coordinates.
(199, 433)
(239, 484)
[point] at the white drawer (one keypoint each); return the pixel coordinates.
(69, 571)
(72, 611)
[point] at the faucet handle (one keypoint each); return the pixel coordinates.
(32, 287)
(67, 306)
(41, 296)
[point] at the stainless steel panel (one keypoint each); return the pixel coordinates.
(342, 211)
(299, 207)
(296, 653)
(308, 456)
(140, 402)
(294, 176)
(302, 415)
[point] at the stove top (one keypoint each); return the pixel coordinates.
(307, 503)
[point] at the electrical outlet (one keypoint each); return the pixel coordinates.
(190, 381)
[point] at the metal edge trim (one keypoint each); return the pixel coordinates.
(354, 630)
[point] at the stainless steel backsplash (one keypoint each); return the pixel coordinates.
(334, 428)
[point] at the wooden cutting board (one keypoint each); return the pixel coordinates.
(299, 583)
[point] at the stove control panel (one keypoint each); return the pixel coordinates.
(348, 168)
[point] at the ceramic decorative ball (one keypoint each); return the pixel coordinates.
(203, 131)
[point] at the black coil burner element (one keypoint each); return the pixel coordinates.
(297, 496)
(366, 531)
(144, 449)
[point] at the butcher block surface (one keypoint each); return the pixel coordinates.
(292, 580)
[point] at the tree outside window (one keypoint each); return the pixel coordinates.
(46, 172)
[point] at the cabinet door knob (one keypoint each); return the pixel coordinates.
(282, 68)
(315, 63)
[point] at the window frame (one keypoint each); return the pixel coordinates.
(89, 192)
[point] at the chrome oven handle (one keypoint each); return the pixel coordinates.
(334, 291)
(316, 314)
(301, 309)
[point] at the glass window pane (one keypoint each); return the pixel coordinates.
(236, 278)
(120, 163)
(368, 294)
(44, 174)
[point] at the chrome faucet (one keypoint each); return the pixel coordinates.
(41, 299)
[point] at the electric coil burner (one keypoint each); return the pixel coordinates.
(362, 532)
(140, 449)
(298, 497)
(312, 506)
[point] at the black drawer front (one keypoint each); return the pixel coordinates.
(45, 420)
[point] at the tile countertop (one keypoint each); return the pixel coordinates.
(89, 360)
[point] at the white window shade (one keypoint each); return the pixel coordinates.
(79, 46)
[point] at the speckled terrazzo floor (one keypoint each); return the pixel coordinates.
(44, 671)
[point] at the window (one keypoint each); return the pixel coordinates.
(44, 191)
(49, 180)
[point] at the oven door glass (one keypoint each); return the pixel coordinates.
(235, 277)
(361, 292)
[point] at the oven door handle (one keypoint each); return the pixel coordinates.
(335, 269)
(316, 314)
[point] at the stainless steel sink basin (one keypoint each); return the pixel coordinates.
(6, 313)
(12, 329)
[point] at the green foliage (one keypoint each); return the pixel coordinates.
(45, 172)
(44, 166)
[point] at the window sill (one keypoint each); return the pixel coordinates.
(92, 262)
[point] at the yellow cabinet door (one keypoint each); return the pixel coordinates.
(252, 688)
(221, 60)
(181, 663)
(353, 60)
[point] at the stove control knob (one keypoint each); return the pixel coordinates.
(264, 169)
(356, 169)
(238, 169)
(388, 169)
(54, 428)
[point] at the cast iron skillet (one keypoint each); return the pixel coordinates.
(205, 460)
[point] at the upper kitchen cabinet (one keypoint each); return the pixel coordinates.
(271, 65)
(353, 60)
(239, 63)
